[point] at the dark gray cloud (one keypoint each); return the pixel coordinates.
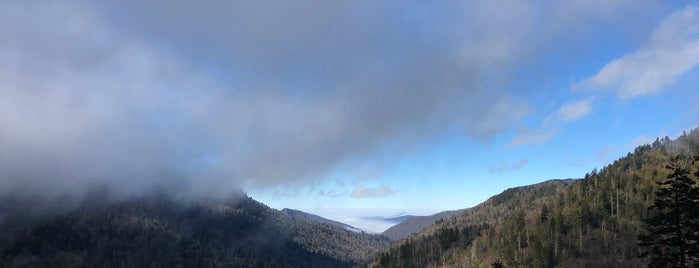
(226, 94)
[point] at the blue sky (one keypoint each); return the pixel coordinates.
(344, 109)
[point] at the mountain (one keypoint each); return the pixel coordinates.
(159, 230)
(595, 221)
(469, 222)
(398, 219)
(315, 218)
(413, 224)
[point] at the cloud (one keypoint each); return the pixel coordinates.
(368, 220)
(671, 51)
(570, 111)
(368, 192)
(506, 166)
(219, 95)
(331, 193)
(528, 137)
(222, 95)
(503, 110)
(552, 123)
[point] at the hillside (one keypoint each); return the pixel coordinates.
(435, 237)
(399, 219)
(315, 218)
(413, 224)
(592, 222)
(159, 231)
(330, 240)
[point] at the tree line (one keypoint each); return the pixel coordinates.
(630, 213)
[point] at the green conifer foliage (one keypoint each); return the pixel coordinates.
(671, 236)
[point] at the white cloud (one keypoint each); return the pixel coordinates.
(527, 137)
(366, 192)
(552, 123)
(367, 224)
(671, 51)
(571, 111)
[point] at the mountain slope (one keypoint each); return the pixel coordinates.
(592, 222)
(399, 219)
(426, 247)
(158, 231)
(334, 241)
(413, 224)
(315, 218)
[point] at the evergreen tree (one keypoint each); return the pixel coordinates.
(672, 229)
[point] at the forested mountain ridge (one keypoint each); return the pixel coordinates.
(592, 222)
(414, 224)
(420, 249)
(312, 217)
(479, 214)
(157, 231)
(328, 239)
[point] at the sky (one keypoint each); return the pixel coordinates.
(346, 109)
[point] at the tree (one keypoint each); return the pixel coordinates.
(672, 229)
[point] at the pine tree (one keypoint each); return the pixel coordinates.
(672, 230)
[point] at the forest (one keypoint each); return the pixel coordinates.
(609, 218)
(161, 231)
